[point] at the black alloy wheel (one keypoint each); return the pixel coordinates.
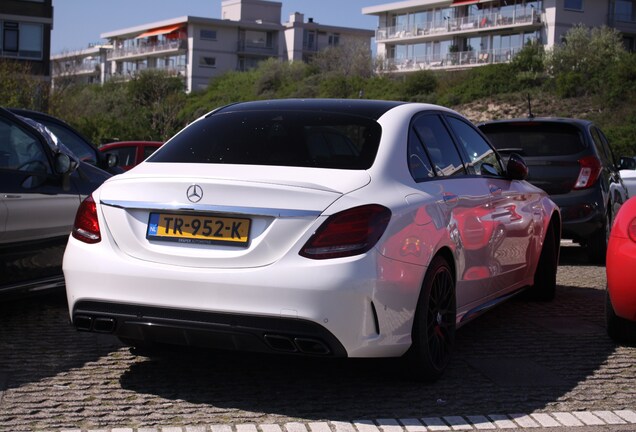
(434, 324)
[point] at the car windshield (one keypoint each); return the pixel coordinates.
(534, 138)
(285, 138)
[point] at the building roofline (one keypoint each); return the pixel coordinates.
(323, 27)
(407, 4)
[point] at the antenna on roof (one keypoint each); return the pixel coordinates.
(530, 115)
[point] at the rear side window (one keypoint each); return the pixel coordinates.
(535, 138)
(438, 145)
(477, 149)
(284, 138)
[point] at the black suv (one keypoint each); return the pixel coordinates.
(571, 160)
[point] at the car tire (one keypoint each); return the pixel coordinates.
(619, 329)
(544, 286)
(434, 324)
(596, 246)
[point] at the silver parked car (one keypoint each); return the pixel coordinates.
(41, 186)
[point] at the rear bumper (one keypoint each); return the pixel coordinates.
(206, 329)
(356, 307)
(583, 213)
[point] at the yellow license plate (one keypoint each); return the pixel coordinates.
(198, 228)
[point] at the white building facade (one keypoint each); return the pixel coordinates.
(452, 34)
(197, 49)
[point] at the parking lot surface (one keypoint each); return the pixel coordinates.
(523, 362)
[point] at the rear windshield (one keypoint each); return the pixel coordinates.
(285, 138)
(535, 139)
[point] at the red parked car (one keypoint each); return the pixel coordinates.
(130, 153)
(620, 306)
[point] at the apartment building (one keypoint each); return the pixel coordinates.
(198, 48)
(452, 34)
(25, 33)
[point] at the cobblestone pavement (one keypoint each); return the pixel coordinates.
(522, 357)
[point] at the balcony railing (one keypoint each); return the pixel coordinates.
(454, 60)
(80, 69)
(146, 49)
(125, 75)
(467, 24)
(256, 48)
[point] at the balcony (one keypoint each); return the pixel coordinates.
(128, 74)
(76, 70)
(145, 50)
(255, 48)
(449, 61)
(469, 24)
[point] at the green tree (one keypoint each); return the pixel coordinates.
(19, 88)
(159, 99)
(578, 65)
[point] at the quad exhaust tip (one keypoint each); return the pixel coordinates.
(95, 324)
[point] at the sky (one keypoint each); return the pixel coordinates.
(77, 23)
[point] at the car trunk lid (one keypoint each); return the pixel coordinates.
(228, 216)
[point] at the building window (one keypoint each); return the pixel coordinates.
(573, 5)
(625, 10)
(208, 62)
(24, 40)
(207, 34)
(334, 39)
(10, 37)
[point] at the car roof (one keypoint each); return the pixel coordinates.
(36, 115)
(367, 108)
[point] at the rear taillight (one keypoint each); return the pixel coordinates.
(631, 230)
(86, 227)
(350, 232)
(589, 172)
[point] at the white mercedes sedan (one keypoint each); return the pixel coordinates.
(333, 228)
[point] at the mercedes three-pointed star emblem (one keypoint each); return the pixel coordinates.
(195, 193)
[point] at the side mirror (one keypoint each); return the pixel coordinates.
(111, 160)
(64, 164)
(627, 163)
(516, 167)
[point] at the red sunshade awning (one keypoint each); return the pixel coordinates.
(160, 31)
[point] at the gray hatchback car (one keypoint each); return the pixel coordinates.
(571, 159)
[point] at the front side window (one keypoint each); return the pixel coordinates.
(283, 138)
(477, 149)
(573, 4)
(20, 150)
(438, 145)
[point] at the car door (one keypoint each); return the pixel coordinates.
(39, 206)
(462, 204)
(512, 219)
